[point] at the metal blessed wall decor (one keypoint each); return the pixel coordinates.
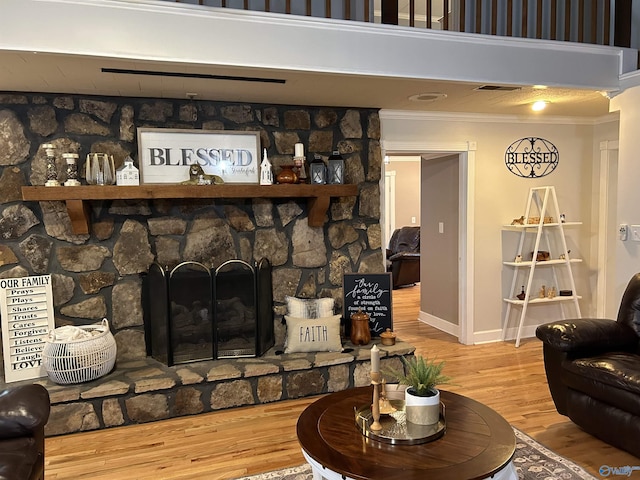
(531, 157)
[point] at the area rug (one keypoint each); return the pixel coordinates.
(532, 461)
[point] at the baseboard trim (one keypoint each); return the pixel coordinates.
(440, 324)
(492, 336)
(487, 336)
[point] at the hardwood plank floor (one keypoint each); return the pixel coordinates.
(245, 441)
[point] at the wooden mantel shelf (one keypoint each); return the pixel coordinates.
(77, 198)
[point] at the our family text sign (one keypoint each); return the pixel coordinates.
(371, 293)
(26, 308)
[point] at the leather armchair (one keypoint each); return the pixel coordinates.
(24, 411)
(593, 371)
(403, 256)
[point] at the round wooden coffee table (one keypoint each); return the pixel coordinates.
(478, 443)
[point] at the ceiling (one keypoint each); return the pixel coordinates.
(60, 73)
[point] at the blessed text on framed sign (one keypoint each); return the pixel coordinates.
(26, 306)
(164, 154)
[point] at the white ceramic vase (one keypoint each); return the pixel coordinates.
(422, 410)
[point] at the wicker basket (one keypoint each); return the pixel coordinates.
(82, 360)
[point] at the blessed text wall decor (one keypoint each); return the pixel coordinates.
(531, 157)
(165, 154)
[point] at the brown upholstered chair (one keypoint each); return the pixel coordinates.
(24, 411)
(593, 371)
(403, 256)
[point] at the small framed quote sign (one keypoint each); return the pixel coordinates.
(165, 154)
(26, 308)
(371, 293)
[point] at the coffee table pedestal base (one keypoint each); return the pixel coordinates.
(323, 473)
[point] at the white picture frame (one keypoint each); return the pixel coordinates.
(165, 154)
(26, 308)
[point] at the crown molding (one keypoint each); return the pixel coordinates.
(410, 115)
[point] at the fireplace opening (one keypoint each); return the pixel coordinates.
(193, 313)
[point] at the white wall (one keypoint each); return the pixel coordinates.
(407, 171)
(501, 196)
(628, 210)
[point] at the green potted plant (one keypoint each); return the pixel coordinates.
(422, 398)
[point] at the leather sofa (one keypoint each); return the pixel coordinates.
(593, 371)
(24, 411)
(403, 256)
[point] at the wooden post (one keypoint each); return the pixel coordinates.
(390, 12)
(622, 23)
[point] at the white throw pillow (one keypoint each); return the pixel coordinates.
(309, 307)
(313, 335)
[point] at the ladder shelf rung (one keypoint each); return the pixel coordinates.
(559, 298)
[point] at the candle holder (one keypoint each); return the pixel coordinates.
(298, 166)
(52, 169)
(376, 380)
(71, 160)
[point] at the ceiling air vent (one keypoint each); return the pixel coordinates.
(496, 88)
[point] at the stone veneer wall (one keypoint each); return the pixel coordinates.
(99, 275)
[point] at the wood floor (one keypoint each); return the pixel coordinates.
(245, 441)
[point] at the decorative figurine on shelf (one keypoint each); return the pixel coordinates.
(318, 171)
(521, 295)
(298, 163)
(551, 293)
(543, 292)
(518, 259)
(336, 168)
(266, 173)
(128, 174)
(563, 219)
(72, 169)
(52, 169)
(198, 177)
(518, 221)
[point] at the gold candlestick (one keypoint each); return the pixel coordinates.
(375, 405)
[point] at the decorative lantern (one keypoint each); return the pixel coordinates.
(336, 168)
(266, 174)
(318, 171)
(52, 169)
(72, 169)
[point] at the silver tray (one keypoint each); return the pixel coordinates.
(395, 429)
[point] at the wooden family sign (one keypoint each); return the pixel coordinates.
(371, 293)
(26, 311)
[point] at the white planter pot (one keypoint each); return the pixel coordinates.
(422, 410)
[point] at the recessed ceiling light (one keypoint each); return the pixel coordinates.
(427, 97)
(539, 106)
(540, 87)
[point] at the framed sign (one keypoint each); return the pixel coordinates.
(26, 308)
(164, 154)
(371, 293)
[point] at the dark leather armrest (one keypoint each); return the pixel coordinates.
(593, 334)
(404, 256)
(23, 410)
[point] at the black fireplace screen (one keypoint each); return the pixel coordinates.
(193, 313)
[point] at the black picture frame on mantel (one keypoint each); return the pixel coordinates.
(372, 293)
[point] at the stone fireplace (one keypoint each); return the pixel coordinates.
(100, 274)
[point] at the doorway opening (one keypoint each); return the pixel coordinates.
(444, 210)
